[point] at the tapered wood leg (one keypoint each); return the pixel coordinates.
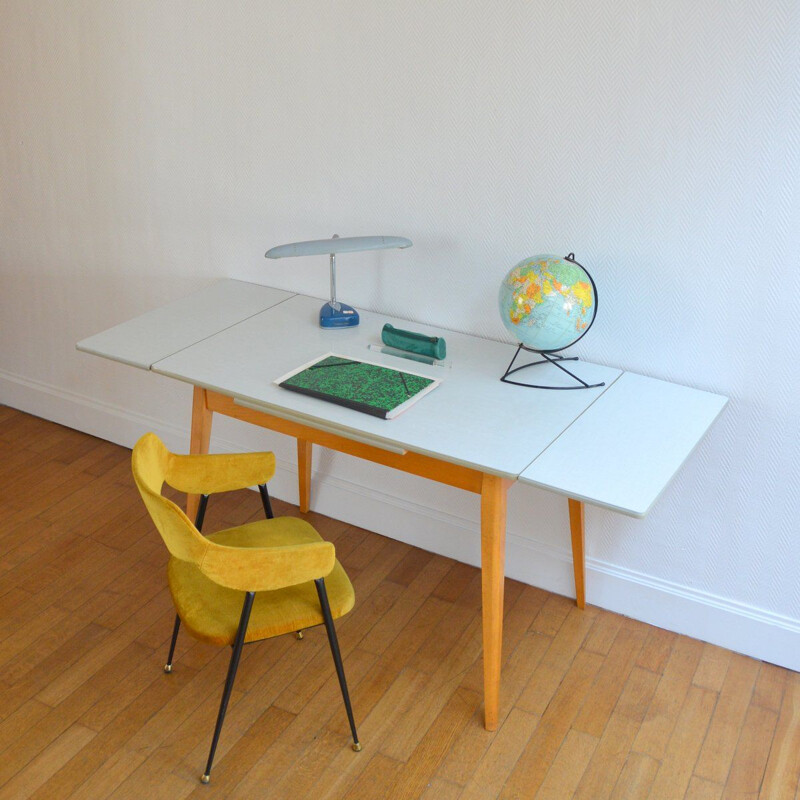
(200, 438)
(304, 473)
(576, 528)
(493, 551)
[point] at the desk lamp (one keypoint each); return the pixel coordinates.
(335, 314)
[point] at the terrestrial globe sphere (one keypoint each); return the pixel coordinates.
(547, 302)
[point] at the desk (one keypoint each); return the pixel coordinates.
(472, 432)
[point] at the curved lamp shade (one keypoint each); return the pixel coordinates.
(335, 314)
(348, 244)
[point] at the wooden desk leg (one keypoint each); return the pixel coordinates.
(493, 551)
(304, 473)
(200, 438)
(576, 528)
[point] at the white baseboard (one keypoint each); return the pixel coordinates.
(104, 420)
(721, 621)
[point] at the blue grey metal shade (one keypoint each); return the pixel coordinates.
(348, 244)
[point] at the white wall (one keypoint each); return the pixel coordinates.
(150, 147)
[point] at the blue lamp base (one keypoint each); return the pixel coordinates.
(343, 317)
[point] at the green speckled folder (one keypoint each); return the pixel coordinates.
(360, 385)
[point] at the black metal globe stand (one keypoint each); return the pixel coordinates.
(549, 358)
(546, 359)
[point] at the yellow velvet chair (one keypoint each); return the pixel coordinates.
(242, 584)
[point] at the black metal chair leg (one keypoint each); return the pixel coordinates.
(238, 643)
(175, 629)
(337, 657)
(262, 487)
(201, 512)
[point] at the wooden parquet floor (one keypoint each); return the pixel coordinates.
(594, 705)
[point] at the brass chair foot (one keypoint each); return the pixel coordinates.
(357, 746)
(205, 778)
(299, 635)
(167, 668)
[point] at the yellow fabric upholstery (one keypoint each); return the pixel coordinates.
(222, 472)
(149, 461)
(211, 612)
(208, 575)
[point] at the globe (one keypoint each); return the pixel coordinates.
(548, 302)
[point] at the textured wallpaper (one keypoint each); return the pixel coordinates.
(149, 147)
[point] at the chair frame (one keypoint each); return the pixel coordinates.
(238, 642)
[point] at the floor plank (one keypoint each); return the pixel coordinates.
(593, 705)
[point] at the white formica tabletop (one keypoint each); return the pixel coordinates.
(615, 446)
(471, 419)
(142, 341)
(623, 450)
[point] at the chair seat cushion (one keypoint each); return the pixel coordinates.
(211, 612)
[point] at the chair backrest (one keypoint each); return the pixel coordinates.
(247, 569)
(150, 462)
